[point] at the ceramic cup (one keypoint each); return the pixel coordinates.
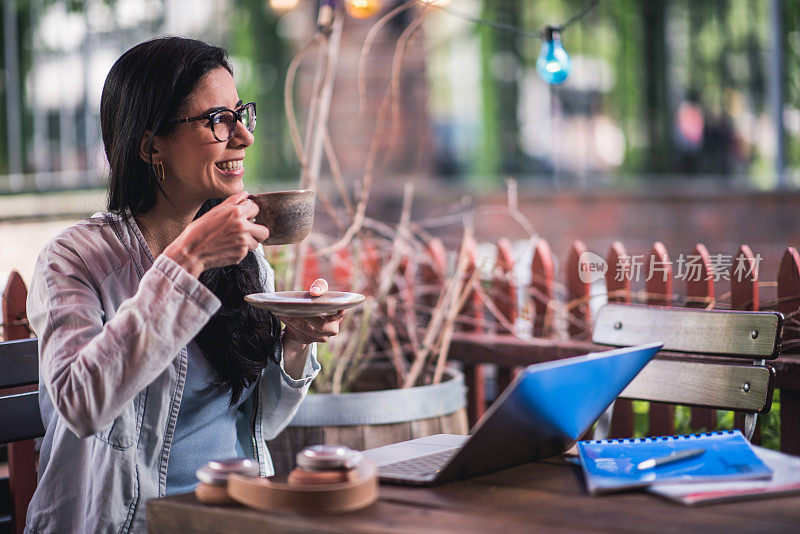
(289, 215)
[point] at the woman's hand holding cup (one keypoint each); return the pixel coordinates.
(221, 237)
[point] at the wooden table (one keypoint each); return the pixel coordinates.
(546, 496)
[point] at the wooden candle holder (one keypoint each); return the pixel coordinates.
(306, 493)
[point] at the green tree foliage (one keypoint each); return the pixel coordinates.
(500, 66)
(661, 53)
(791, 86)
(24, 38)
(265, 57)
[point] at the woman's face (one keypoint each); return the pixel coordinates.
(197, 166)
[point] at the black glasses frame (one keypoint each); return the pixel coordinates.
(237, 114)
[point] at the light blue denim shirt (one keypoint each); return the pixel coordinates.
(113, 325)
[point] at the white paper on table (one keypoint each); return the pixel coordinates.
(785, 479)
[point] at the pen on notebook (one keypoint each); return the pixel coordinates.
(676, 456)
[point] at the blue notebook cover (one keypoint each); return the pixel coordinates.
(611, 465)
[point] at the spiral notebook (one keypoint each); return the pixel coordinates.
(611, 465)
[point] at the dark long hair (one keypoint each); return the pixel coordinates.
(145, 89)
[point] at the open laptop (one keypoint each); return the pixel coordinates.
(542, 413)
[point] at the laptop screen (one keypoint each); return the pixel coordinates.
(547, 408)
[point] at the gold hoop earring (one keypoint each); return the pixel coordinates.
(160, 174)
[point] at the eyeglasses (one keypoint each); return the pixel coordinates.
(223, 121)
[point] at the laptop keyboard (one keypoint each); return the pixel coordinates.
(426, 465)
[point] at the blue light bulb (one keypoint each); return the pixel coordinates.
(553, 64)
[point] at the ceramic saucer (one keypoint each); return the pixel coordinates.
(302, 304)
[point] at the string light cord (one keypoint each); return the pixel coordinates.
(510, 28)
(578, 15)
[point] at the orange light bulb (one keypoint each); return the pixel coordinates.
(283, 5)
(362, 9)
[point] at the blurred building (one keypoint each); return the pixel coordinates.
(658, 89)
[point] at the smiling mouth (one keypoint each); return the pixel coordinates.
(233, 165)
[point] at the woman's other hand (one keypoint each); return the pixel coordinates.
(305, 330)
(221, 237)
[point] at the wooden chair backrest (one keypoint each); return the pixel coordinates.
(672, 378)
(735, 334)
(19, 407)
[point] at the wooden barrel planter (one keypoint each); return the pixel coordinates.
(367, 419)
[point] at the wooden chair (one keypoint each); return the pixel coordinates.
(19, 408)
(712, 360)
(20, 421)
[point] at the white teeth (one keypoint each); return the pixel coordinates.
(230, 165)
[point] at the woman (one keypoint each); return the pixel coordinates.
(151, 364)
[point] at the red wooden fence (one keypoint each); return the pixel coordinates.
(561, 321)
(704, 282)
(485, 340)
